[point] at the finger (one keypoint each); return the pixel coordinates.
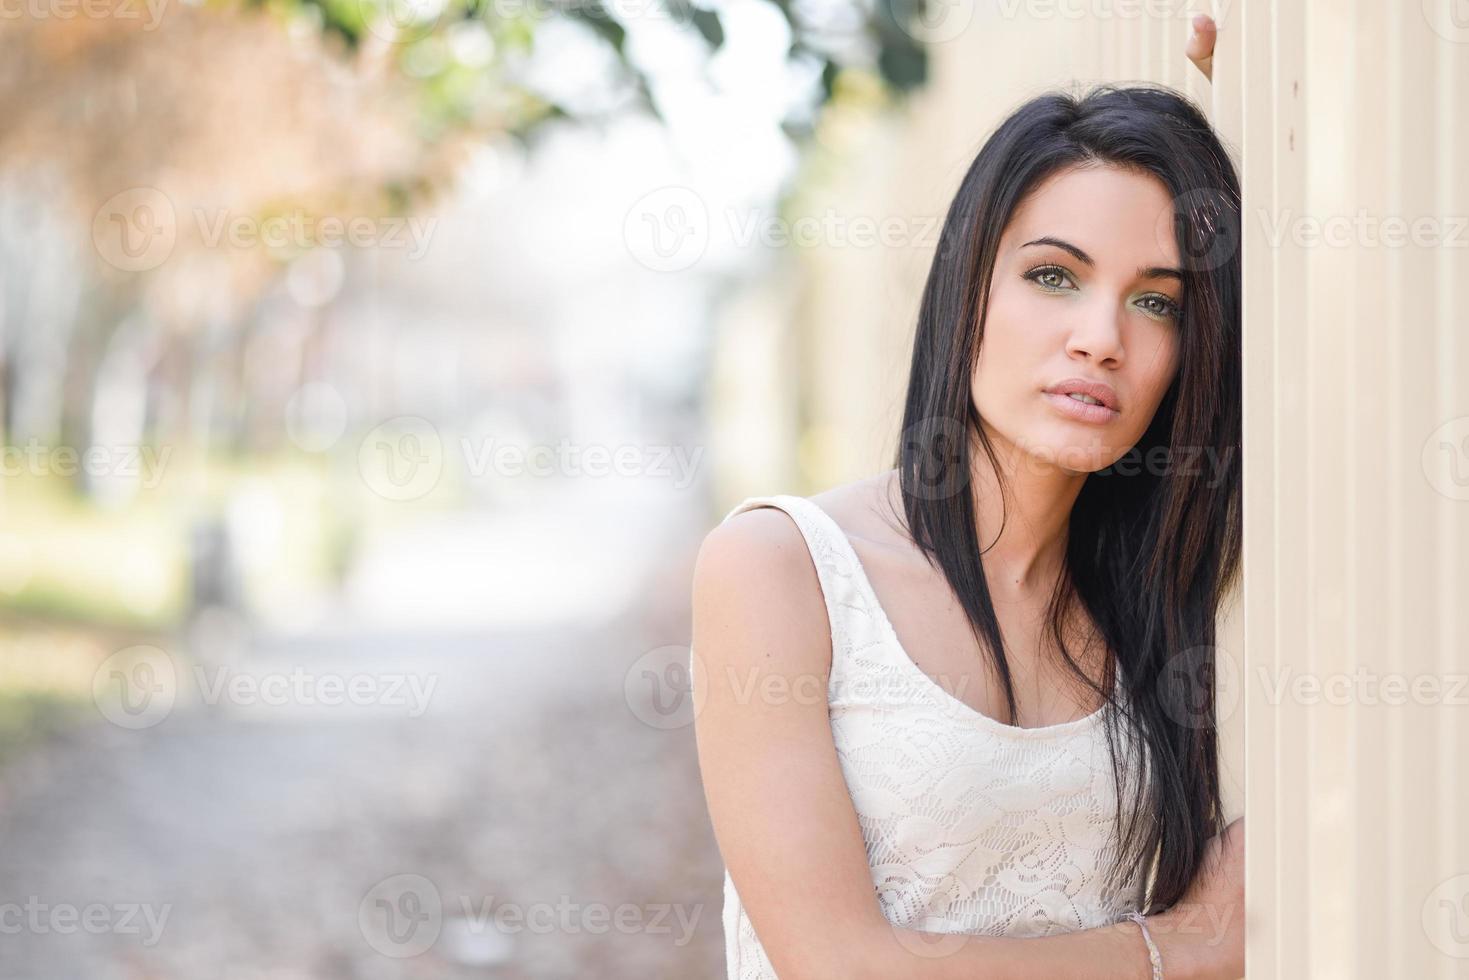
(1200, 46)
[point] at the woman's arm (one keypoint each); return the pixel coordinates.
(780, 807)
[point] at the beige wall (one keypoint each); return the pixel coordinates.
(1356, 514)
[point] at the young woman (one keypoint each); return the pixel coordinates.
(956, 720)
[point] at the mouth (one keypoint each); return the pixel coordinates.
(1082, 406)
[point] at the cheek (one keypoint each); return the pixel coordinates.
(1165, 366)
(1011, 342)
(1157, 375)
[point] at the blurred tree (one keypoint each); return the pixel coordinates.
(458, 49)
(158, 130)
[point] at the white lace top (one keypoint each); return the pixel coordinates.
(971, 825)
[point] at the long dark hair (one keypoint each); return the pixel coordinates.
(1152, 550)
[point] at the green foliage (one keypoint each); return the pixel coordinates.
(425, 37)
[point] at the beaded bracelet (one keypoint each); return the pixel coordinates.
(1154, 956)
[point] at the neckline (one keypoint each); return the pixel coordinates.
(955, 704)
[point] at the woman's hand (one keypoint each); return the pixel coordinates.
(1204, 934)
(1200, 47)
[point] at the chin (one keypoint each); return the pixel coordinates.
(1071, 454)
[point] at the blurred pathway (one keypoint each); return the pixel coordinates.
(248, 839)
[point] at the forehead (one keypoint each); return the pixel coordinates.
(1116, 216)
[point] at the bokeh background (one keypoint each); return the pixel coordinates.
(370, 371)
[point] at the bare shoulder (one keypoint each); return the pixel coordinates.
(756, 543)
(765, 541)
(756, 594)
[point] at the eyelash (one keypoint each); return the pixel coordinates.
(1171, 310)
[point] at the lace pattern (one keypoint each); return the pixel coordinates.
(971, 825)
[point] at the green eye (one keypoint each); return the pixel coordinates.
(1162, 306)
(1049, 277)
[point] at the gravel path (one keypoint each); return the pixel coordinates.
(530, 822)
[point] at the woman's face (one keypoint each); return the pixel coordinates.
(1086, 286)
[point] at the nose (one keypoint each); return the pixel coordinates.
(1096, 334)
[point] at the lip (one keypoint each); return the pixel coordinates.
(1059, 395)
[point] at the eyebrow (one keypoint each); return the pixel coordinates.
(1143, 272)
